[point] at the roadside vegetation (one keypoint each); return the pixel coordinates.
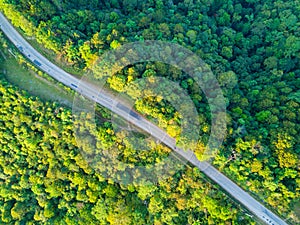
(19, 72)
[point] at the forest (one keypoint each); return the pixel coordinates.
(252, 46)
(44, 178)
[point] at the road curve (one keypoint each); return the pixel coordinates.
(117, 107)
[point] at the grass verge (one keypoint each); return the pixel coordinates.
(28, 80)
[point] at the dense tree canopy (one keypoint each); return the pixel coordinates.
(45, 180)
(253, 48)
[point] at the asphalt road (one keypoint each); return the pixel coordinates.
(119, 108)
